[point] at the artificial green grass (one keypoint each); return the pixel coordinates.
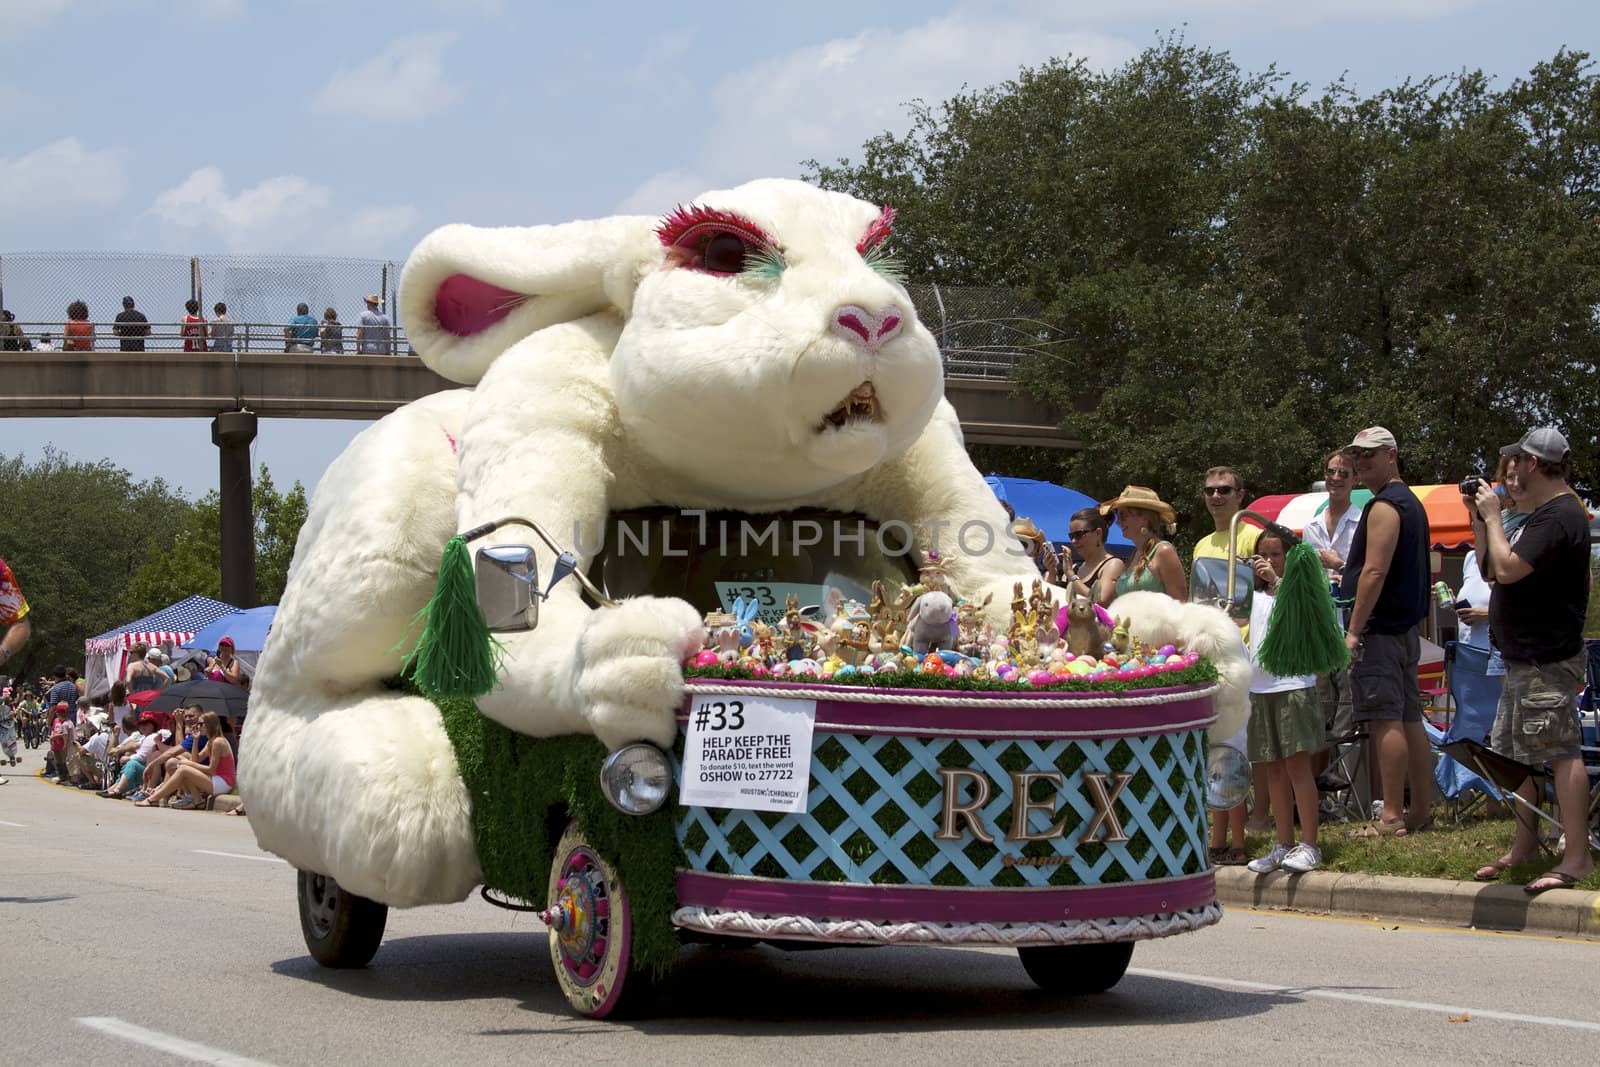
(525, 790)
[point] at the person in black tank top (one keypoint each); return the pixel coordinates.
(1386, 584)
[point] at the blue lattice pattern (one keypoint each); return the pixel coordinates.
(876, 800)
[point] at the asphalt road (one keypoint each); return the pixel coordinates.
(125, 933)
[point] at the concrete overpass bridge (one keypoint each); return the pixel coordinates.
(235, 389)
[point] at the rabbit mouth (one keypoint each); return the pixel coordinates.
(861, 404)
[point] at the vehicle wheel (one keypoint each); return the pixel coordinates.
(340, 928)
(591, 931)
(1075, 969)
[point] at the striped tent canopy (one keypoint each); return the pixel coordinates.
(172, 625)
(1447, 516)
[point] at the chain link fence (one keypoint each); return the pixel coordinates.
(982, 332)
(261, 292)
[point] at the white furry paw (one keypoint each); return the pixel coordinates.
(630, 675)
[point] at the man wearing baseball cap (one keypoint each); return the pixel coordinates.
(1536, 614)
(1386, 582)
(372, 335)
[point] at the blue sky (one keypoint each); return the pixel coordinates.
(353, 128)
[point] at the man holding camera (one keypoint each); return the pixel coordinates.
(1536, 612)
(1386, 578)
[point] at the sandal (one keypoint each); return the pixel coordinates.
(1550, 880)
(1379, 828)
(143, 804)
(1491, 872)
(234, 811)
(1408, 830)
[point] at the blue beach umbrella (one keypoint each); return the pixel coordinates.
(248, 628)
(1050, 506)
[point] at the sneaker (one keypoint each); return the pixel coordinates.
(1303, 858)
(138, 795)
(1270, 862)
(181, 804)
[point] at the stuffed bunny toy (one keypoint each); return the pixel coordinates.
(592, 353)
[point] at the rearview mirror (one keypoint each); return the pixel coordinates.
(1208, 584)
(507, 578)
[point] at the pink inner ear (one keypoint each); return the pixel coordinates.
(465, 305)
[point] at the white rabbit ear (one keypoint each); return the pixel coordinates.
(469, 293)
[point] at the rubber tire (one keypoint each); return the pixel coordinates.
(631, 990)
(1076, 969)
(349, 938)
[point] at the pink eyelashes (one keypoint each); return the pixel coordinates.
(877, 230)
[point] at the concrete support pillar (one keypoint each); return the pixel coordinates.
(232, 432)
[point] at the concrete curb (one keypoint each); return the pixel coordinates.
(225, 803)
(1484, 906)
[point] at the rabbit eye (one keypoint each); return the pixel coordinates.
(726, 253)
(719, 242)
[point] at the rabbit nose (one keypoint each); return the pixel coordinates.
(871, 330)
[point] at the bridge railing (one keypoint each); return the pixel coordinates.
(331, 338)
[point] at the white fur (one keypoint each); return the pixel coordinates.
(622, 380)
(1156, 619)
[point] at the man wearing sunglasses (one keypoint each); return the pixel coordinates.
(1386, 576)
(1224, 495)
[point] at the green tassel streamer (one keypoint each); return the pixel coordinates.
(1303, 633)
(456, 656)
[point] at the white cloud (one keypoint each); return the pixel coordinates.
(60, 180)
(375, 231)
(823, 101)
(403, 83)
(1263, 13)
(23, 16)
(268, 216)
(284, 213)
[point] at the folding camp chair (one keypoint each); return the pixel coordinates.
(1507, 774)
(1475, 694)
(1346, 782)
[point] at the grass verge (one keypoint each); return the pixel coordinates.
(1451, 851)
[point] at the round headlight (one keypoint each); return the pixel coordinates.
(637, 779)
(1227, 777)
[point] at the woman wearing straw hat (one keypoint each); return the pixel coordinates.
(1155, 565)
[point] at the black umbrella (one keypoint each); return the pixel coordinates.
(220, 697)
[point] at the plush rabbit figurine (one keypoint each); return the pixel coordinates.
(592, 351)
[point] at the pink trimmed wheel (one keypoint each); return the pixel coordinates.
(591, 930)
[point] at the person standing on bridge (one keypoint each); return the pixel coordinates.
(301, 333)
(194, 327)
(12, 339)
(372, 336)
(221, 329)
(131, 327)
(78, 334)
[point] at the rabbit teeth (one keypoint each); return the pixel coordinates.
(862, 403)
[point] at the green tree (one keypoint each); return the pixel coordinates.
(76, 534)
(193, 564)
(1238, 271)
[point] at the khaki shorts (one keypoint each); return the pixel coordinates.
(1537, 720)
(1284, 724)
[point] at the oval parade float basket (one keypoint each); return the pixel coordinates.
(912, 831)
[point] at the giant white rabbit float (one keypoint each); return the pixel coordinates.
(753, 351)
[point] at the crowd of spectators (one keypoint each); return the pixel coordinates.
(374, 333)
(1377, 561)
(181, 759)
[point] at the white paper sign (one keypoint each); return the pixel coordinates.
(752, 753)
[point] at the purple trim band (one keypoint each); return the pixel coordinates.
(973, 719)
(897, 903)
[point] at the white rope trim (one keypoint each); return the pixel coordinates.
(856, 931)
(856, 694)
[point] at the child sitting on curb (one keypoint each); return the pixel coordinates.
(1286, 727)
